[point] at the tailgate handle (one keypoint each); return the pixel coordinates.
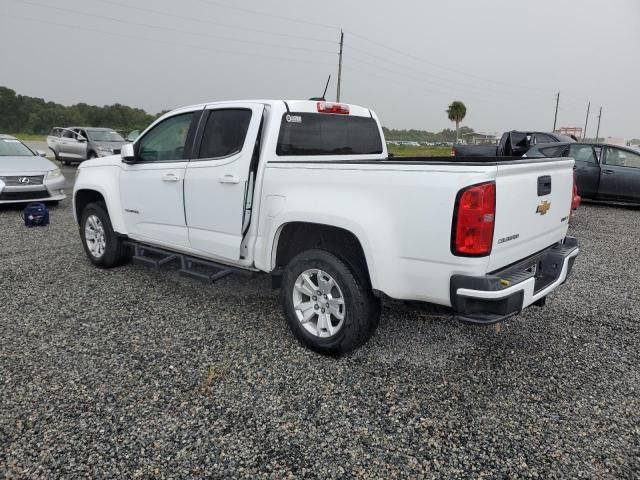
(544, 185)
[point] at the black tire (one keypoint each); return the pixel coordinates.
(362, 308)
(92, 155)
(115, 252)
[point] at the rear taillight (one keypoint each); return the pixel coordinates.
(453, 151)
(328, 107)
(473, 220)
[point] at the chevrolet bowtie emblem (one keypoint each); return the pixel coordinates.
(543, 208)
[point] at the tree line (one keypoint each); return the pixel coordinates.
(446, 135)
(24, 114)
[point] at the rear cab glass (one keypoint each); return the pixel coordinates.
(307, 133)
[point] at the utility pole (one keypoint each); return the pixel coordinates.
(598, 131)
(584, 132)
(555, 118)
(340, 65)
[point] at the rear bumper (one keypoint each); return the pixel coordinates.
(502, 294)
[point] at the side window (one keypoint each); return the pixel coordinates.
(68, 134)
(621, 158)
(165, 141)
(582, 153)
(542, 138)
(555, 151)
(224, 133)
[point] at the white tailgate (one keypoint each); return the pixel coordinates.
(521, 229)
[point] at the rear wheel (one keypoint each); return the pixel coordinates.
(328, 309)
(101, 244)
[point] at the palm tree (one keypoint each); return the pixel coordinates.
(456, 113)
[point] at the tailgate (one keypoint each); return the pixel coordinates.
(533, 204)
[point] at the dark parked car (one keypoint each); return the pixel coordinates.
(512, 144)
(603, 172)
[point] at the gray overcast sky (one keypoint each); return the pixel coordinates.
(504, 59)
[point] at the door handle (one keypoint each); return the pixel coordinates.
(608, 172)
(229, 179)
(170, 177)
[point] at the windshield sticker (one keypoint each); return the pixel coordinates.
(293, 118)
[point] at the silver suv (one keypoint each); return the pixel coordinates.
(76, 144)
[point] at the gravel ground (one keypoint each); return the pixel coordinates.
(136, 373)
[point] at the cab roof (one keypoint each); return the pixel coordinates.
(302, 106)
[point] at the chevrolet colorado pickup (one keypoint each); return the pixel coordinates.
(305, 191)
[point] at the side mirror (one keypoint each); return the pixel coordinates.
(81, 139)
(41, 153)
(132, 136)
(128, 153)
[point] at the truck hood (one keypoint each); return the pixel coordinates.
(108, 161)
(9, 165)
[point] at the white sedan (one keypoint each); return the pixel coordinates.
(26, 176)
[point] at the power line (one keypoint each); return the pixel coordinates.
(167, 42)
(270, 15)
(447, 84)
(447, 80)
(362, 37)
(394, 78)
(324, 25)
(443, 67)
(423, 60)
(198, 34)
(210, 23)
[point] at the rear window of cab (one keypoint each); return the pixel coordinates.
(328, 134)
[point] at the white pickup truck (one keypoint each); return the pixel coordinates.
(305, 191)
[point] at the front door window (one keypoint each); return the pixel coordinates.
(166, 141)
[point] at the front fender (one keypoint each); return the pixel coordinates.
(104, 180)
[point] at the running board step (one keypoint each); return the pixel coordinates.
(151, 257)
(188, 270)
(198, 269)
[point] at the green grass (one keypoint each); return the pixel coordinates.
(408, 151)
(26, 137)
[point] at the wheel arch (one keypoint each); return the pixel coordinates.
(295, 237)
(84, 197)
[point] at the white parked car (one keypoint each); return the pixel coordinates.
(26, 176)
(305, 191)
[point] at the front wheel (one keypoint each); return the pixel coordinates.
(101, 244)
(328, 307)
